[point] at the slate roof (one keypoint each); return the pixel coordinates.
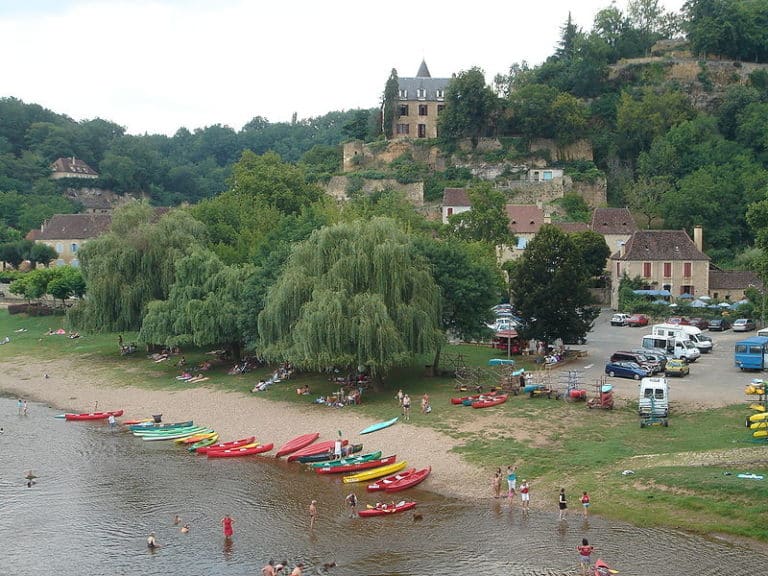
(666, 245)
(613, 221)
(734, 280)
(524, 218)
(73, 166)
(75, 226)
(423, 80)
(456, 197)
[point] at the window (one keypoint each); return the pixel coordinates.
(74, 247)
(646, 269)
(521, 243)
(403, 94)
(667, 269)
(402, 129)
(422, 130)
(59, 247)
(686, 269)
(618, 270)
(547, 175)
(686, 290)
(60, 262)
(421, 93)
(450, 212)
(440, 108)
(535, 175)
(422, 109)
(75, 263)
(403, 110)
(439, 94)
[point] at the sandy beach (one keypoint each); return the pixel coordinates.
(75, 387)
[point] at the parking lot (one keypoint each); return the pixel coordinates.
(714, 379)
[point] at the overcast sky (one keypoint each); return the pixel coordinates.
(157, 65)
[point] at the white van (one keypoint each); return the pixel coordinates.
(654, 392)
(675, 347)
(684, 332)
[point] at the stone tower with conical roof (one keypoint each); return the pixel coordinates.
(420, 100)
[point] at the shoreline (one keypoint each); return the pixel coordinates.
(72, 386)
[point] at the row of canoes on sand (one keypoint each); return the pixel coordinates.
(387, 473)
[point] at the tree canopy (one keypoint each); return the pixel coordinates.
(353, 294)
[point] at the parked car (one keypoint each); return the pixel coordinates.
(700, 323)
(657, 356)
(640, 358)
(719, 324)
(743, 325)
(677, 367)
(626, 370)
(638, 320)
(619, 319)
(678, 320)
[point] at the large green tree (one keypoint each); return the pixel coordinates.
(470, 106)
(594, 251)
(389, 104)
(487, 221)
(550, 288)
(204, 306)
(353, 294)
(132, 265)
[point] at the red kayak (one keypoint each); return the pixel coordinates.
(356, 467)
(487, 402)
(464, 399)
(235, 452)
(315, 449)
(94, 415)
(602, 569)
(226, 445)
(379, 484)
(384, 509)
(297, 444)
(408, 481)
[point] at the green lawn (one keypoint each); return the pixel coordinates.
(555, 442)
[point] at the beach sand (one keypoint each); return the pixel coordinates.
(76, 387)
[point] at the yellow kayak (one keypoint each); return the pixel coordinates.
(366, 475)
(751, 389)
(760, 433)
(758, 425)
(757, 407)
(759, 417)
(195, 438)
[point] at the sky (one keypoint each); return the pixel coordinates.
(154, 66)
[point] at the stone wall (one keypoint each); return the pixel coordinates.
(360, 156)
(338, 186)
(579, 150)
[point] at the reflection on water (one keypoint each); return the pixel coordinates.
(99, 493)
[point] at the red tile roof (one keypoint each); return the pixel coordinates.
(613, 221)
(525, 218)
(734, 280)
(75, 226)
(72, 165)
(456, 197)
(661, 245)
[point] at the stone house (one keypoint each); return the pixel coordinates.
(665, 260)
(72, 168)
(525, 220)
(732, 285)
(455, 201)
(66, 233)
(420, 100)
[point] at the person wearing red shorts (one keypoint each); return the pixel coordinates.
(226, 522)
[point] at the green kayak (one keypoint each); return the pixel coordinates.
(349, 460)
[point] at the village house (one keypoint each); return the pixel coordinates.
(455, 201)
(72, 167)
(66, 233)
(420, 100)
(665, 260)
(732, 285)
(616, 225)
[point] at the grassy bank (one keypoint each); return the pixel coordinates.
(683, 476)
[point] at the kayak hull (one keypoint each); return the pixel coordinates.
(381, 483)
(490, 402)
(378, 426)
(409, 481)
(316, 449)
(227, 445)
(373, 473)
(93, 415)
(325, 457)
(242, 451)
(297, 444)
(350, 460)
(358, 466)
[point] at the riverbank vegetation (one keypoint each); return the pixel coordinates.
(684, 476)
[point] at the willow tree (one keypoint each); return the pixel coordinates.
(204, 306)
(131, 265)
(352, 294)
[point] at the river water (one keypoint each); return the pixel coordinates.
(100, 492)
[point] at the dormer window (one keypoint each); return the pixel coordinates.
(421, 93)
(440, 94)
(403, 93)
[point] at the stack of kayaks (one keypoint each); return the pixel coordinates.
(227, 445)
(357, 466)
(373, 473)
(348, 460)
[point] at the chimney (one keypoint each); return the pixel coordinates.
(698, 238)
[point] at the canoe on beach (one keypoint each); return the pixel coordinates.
(297, 444)
(246, 450)
(366, 475)
(227, 445)
(93, 415)
(315, 449)
(378, 426)
(409, 481)
(348, 460)
(357, 466)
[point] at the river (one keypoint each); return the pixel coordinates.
(99, 493)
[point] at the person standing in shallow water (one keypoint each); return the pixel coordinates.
(562, 504)
(312, 513)
(226, 523)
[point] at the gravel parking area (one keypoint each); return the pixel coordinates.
(714, 379)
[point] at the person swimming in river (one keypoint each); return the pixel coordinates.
(184, 529)
(30, 478)
(151, 542)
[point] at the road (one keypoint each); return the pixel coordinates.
(713, 381)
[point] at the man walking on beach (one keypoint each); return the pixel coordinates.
(407, 407)
(351, 501)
